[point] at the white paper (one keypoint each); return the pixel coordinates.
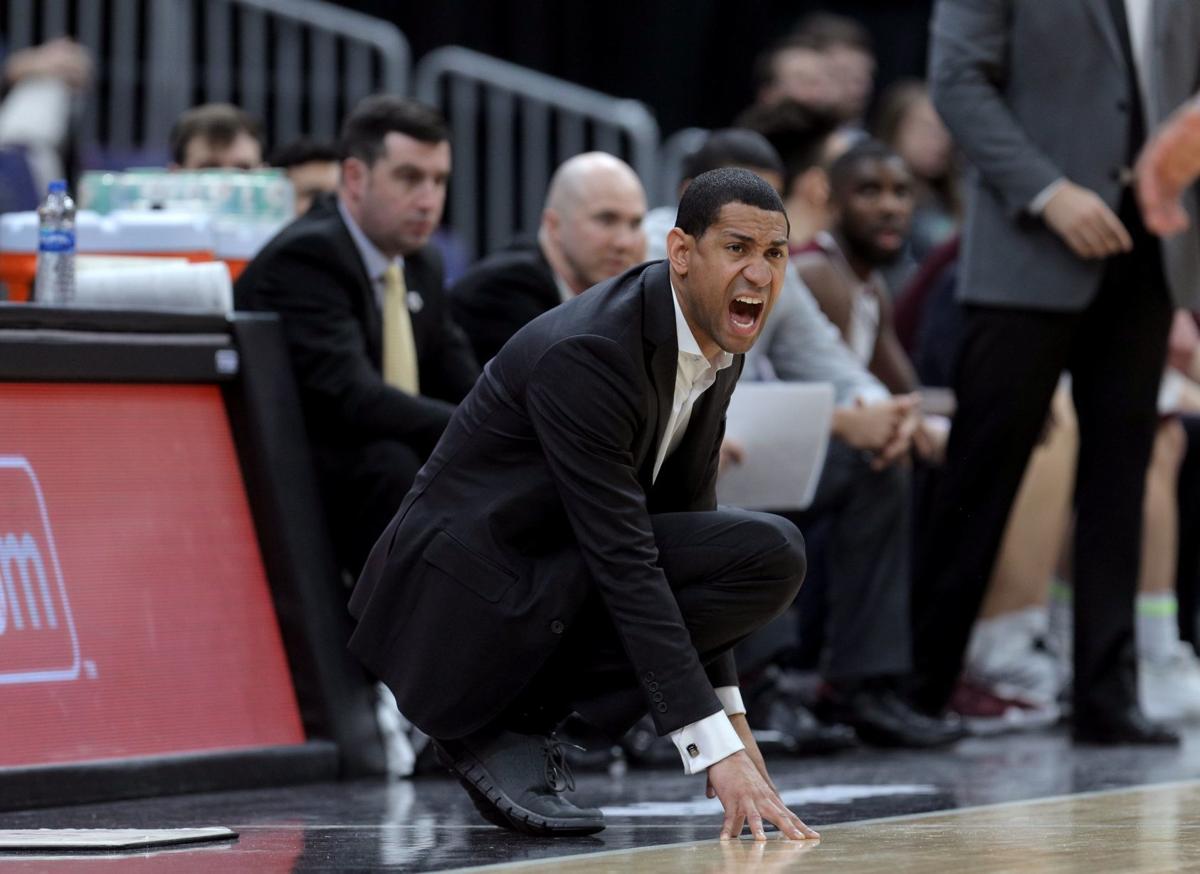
(784, 429)
(204, 287)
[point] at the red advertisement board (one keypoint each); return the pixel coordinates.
(135, 617)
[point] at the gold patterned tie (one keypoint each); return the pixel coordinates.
(399, 348)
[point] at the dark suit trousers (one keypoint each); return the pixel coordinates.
(732, 571)
(1008, 368)
(1187, 581)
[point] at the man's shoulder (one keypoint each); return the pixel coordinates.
(523, 268)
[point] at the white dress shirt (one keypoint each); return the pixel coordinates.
(713, 738)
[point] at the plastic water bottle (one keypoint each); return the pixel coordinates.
(56, 247)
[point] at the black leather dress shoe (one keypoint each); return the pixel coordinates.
(882, 718)
(516, 781)
(1124, 727)
(781, 723)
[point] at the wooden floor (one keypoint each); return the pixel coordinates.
(1133, 831)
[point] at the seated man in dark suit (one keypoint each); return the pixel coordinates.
(378, 361)
(562, 551)
(591, 230)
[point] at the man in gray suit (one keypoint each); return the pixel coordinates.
(1050, 102)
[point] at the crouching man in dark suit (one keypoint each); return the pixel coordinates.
(562, 551)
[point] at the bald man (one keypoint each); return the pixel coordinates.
(591, 230)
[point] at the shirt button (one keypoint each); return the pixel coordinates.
(557, 627)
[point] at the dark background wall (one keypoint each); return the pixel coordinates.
(690, 61)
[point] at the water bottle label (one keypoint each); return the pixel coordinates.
(56, 240)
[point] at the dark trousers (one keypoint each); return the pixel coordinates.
(362, 487)
(1187, 580)
(857, 618)
(732, 571)
(1008, 368)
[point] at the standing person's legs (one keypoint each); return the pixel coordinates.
(1007, 370)
(1117, 363)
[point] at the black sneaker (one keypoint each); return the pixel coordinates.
(516, 781)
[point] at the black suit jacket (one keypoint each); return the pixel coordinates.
(500, 295)
(312, 275)
(539, 490)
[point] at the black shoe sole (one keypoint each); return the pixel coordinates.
(497, 807)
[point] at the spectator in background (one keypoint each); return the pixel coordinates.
(378, 361)
(849, 62)
(794, 70)
(910, 126)
(871, 209)
(39, 86)
(805, 139)
(313, 168)
(1060, 274)
(591, 230)
(216, 136)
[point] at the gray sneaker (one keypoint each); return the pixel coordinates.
(516, 781)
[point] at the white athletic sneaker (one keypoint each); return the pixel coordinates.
(1169, 688)
(1009, 656)
(393, 729)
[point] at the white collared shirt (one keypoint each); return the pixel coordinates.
(713, 738)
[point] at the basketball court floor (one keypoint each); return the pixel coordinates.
(1027, 803)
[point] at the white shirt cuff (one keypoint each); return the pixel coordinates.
(731, 700)
(706, 742)
(1039, 203)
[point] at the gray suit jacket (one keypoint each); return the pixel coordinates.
(1035, 90)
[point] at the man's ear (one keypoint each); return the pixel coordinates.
(354, 175)
(679, 250)
(551, 221)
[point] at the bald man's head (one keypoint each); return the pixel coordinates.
(592, 222)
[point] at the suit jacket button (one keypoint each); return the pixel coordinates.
(1123, 105)
(652, 686)
(649, 676)
(557, 627)
(662, 708)
(658, 696)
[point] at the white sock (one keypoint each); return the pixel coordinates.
(1157, 626)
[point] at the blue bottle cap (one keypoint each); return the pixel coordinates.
(58, 186)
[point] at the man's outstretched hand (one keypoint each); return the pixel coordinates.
(748, 798)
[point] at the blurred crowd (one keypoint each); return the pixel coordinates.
(879, 649)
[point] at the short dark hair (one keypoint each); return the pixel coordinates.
(732, 147)
(217, 123)
(798, 132)
(866, 150)
(702, 202)
(826, 30)
(375, 117)
(304, 151)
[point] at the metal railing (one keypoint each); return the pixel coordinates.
(512, 126)
(298, 64)
(675, 150)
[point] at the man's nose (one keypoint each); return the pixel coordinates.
(758, 273)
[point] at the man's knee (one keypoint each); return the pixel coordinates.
(786, 562)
